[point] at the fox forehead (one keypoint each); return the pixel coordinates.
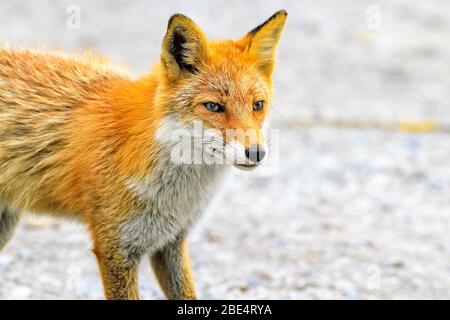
(229, 75)
(238, 86)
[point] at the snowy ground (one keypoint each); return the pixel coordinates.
(348, 213)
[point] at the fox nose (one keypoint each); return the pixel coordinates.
(255, 153)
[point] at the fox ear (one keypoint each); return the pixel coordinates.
(184, 47)
(262, 41)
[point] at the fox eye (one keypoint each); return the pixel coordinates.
(258, 105)
(214, 107)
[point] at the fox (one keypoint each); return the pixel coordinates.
(84, 140)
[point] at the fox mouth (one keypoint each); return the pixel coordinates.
(246, 167)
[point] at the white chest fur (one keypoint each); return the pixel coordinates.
(174, 196)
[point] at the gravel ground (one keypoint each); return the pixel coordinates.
(345, 213)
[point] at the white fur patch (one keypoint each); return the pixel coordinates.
(172, 196)
(197, 144)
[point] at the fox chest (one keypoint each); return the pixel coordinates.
(171, 200)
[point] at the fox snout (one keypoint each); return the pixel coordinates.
(245, 149)
(255, 153)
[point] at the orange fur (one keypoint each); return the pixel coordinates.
(74, 129)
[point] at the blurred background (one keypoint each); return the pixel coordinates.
(359, 204)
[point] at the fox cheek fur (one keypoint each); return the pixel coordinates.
(81, 139)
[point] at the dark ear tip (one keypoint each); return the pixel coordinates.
(175, 17)
(281, 12)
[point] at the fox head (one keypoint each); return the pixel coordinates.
(226, 85)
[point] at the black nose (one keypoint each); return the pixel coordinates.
(255, 153)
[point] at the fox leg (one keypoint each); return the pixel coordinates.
(119, 271)
(173, 270)
(8, 221)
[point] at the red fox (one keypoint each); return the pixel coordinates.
(81, 139)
